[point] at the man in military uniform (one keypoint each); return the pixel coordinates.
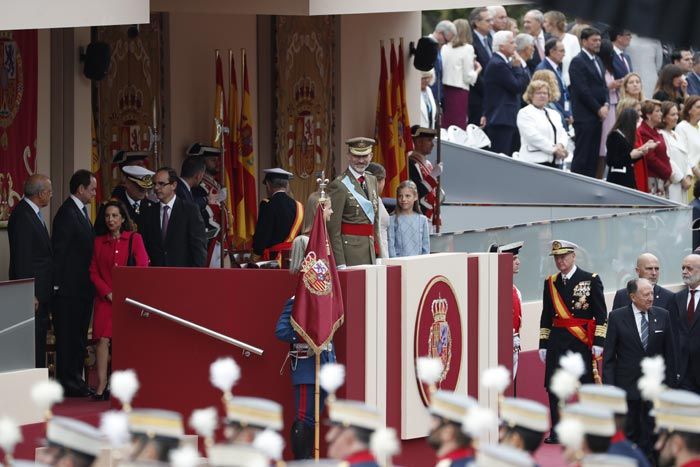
(303, 366)
(279, 217)
(124, 159)
(354, 225)
(452, 445)
(138, 181)
(574, 318)
(247, 417)
(353, 423)
(524, 424)
(421, 171)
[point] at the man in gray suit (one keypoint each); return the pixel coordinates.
(647, 268)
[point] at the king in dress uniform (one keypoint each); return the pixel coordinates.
(574, 318)
(279, 217)
(354, 225)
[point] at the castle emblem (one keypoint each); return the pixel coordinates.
(316, 275)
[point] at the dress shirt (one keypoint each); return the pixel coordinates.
(132, 202)
(570, 274)
(170, 211)
(78, 203)
(595, 62)
(32, 205)
(485, 42)
(638, 319)
(539, 44)
(356, 174)
(697, 297)
(621, 53)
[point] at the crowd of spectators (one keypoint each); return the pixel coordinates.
(557, 93)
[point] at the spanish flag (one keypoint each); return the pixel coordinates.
(384, 150)
(235, 200)
(247, 156)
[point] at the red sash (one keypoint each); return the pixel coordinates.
(360, 457)
(429, 202)
(517, 312)
(581, 329)
(462, 453)
(287, 243)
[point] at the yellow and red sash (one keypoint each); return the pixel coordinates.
(581, 329)
(287, 243)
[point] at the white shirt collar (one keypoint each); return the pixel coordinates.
(32, 205)
(170, 204)
(571, 273)
(540, 35)
(481, 37)
(552, 64)
(636, 310)
(590, 55)
(129, 199)
(500, 54)
(355, 173)
(77, 202)
(618, 51)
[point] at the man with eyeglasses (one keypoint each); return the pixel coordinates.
(173, 230)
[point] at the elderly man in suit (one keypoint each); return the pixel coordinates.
(505, 81)
(72, 242)
(636, 331)
(622, 63)
(532, 24)
(480, 21)
(354, 225)
(693, 77)
(30, 254)
(554, 57)
(173, 230)
(685, 318)
(444, 32)
(647, 268)
(589, 101)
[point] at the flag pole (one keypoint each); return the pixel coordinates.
(317, 409)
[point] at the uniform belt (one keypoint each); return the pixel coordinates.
(619, 171)
(363, 230)
(588, 324)
(284, 246)
(302, 350)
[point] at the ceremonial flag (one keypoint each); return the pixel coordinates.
(235, 201)
(318, 303)
(218, 138)
(95, 168)
(395, 159)
(247, 156)
(405, 122)
(384, 150)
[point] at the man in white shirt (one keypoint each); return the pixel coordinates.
(637, 331)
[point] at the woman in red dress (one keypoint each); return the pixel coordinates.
(114, 244)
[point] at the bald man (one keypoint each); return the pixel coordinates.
(685, 315)
(31, 254)
(647, 268)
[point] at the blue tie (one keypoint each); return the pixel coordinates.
(645, 331)
(41, 217)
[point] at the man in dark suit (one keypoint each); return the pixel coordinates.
(444, 32)
(173, 230)
(554, 56)
(30, 254)
(191, 175)
(693, 77)
(532, 24)
(573, 319)
(137, 181)
(622, 63)
(504, 83)
(480, 21)
(685, 317)
(695, 204)
(589, 102)
(637, 331)
(72, 241)
(647, 268)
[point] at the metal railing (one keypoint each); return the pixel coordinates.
(145, 309)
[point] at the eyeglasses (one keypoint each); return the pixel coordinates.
(162, 184)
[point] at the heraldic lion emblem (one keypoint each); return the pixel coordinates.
(316, 275)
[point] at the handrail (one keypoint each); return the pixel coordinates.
(196, 327)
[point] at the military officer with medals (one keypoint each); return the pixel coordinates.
(354, 227)
(137, 183)
(123, 159)
(574, 318)
(279, 217)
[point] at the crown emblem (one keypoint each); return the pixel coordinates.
(316, 274)
(439, 309)
(130, 100)
(305, 93)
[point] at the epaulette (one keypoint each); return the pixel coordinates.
(595, 274)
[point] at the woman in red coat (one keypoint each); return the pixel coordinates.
(114, 244)
(657, 160)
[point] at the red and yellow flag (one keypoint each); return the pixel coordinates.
(219, 105)
(396, 157)
(405, 122)
(385, 128)
(233, 177)
(247, 157)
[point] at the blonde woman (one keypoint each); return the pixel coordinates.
(459, 72)
(632, 87)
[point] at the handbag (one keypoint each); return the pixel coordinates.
(130, 260)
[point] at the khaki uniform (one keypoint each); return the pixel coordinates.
(348, 215)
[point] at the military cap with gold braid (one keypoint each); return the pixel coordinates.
(500, 455)
(451, 406)
(139, 175)
(677, 399)
(418, 131)
(236, 455)
(354, 413)
(525, 413)
(562, 247)
(360, 146)
(255, 412)
(604, 395)
(596, 420)
(156, 423)
(74, 435)
(607, 460)
(677, 419)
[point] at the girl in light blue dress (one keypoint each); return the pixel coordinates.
(408, 228)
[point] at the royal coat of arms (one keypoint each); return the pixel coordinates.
(439, 338)
(316, 275)
(11, 83)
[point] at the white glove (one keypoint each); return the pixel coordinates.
(222, 195)
(543, 355)
(597, 351)
(341, 266)
(437, 170)
(516, 342)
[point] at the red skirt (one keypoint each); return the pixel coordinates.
(102, 319)
(456, 107)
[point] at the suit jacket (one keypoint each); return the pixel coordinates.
(662, 298)
(535, 60)
(619, 68)
(503, 88)
(119, 193)
(687, 337)
(624, 352)
(588, 89)
(695, 204)
(30, 250)
(563, 90)
(627, 448)
(693, 84)
(185, 242)
(352, 250)
(182, 192)
(276, 218)
(476, 93)
(72, 242)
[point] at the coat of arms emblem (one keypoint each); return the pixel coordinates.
(316, 275)
(11, 83)
(439, 337)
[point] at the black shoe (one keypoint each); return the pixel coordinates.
(551, 439)
(78, 392)
(100, 397)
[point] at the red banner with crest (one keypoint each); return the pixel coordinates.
(18, 115)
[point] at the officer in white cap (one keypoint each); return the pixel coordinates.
(246, 417)
(353, 423)
(279, 217)
(137, 183)
(524, 424)
(614, 399)
(154, 433)
(598, 428)
(607, 460)
(72, 443)
(453, 447)
(679, 436)
(236, 455)
(574, 318)
(499, 455)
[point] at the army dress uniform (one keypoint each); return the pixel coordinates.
(303, 366)
(354, 225)
(574, 318)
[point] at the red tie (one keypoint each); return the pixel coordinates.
(361, 179)
(691, 307)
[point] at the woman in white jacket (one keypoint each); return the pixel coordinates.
(543, 139)
(459, 72)
(681, 173)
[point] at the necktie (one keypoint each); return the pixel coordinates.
(624, 60)
(540, 47)
(136, 206)
(166, 219)
(645, 331)
(597, 67)
(487, 45)
(361, 179)
(41, 218)
(691, 307)
(87, 216)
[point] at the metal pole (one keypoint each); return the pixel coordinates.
(437, 221)
(196, 327)
(317, 409)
